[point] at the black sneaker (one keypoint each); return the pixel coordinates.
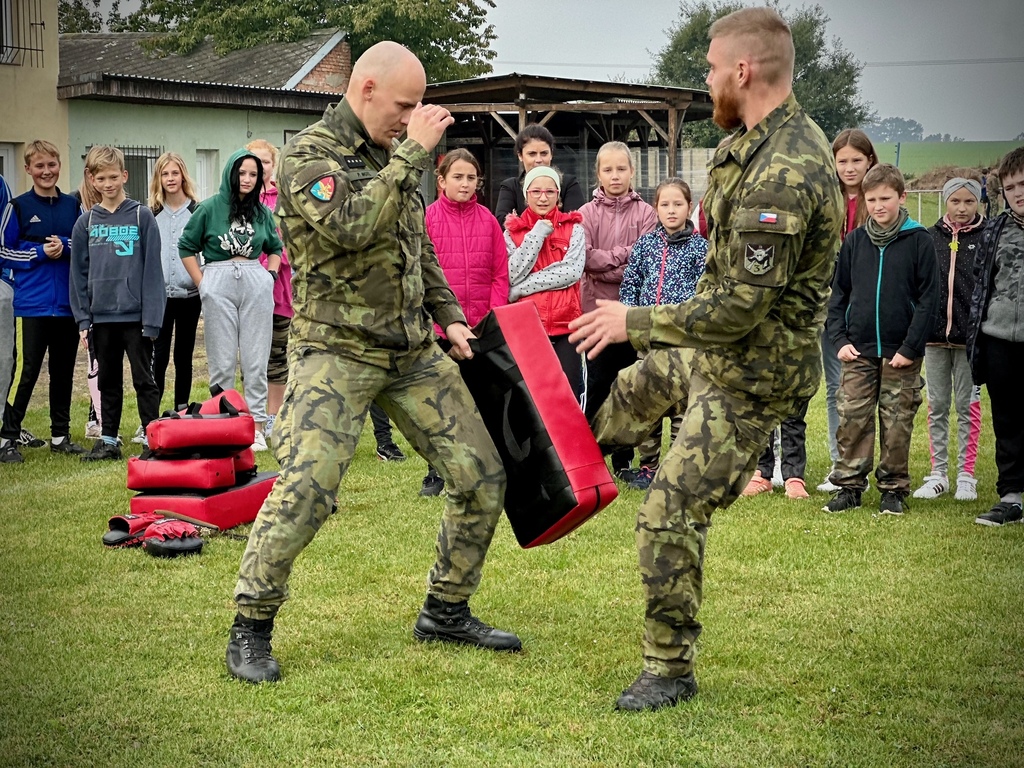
(893, 503)
(390, 452)
(9, 454)
(102, 451)
(432, 485)
(453, 623)
(650, 691)
(27, 440)
(1003, 513)
(249, 653)
(643, 478)
(65, 446)
(625, 474)
(842, 500)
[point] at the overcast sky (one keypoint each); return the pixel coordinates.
(599, 39)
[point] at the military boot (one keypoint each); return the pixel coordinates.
(650, 691)
(249, 650)
(453, 623)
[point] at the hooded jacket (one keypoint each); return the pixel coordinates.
(612, 226)
(956, 251)
(171, 224)
(41, 284)
(116, 270)
(885, 300)
(471, 251)
(211, 232)
(663, 270)
(283, 285)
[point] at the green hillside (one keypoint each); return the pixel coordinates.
(920, 157)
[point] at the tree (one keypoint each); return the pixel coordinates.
(889, 130)
(77, 16)
(825, 77)
(451, 37)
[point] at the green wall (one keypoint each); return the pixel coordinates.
(179, 129)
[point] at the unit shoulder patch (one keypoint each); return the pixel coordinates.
(759, 259)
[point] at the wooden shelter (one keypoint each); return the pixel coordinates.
(581, 114)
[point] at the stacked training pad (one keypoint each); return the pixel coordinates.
(200, 465)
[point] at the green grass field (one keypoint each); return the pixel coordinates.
(921, 157)
(846, 640)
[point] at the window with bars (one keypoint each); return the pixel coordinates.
(139, 162)
(21, 32)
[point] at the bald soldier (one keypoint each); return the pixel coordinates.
(743, 352)
(367, 291)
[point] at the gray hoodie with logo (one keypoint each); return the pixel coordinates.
(116, 273)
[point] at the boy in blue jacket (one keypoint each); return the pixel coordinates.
(884, 301)
(35, 237)
(118, 293)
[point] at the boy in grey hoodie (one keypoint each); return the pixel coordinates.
(117, 291)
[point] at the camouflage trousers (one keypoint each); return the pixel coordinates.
(316, 433)
(708, 465)
(867, 384)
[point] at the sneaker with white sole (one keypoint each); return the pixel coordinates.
(93, 430)
(933, 487)
(268, 427)
(827, 486)
(966, 488)
(1003, 513)
(140, 436)
(27, 440)
(259, 442)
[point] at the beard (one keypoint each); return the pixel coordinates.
(726, 114)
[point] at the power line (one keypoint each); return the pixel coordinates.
(918, 63)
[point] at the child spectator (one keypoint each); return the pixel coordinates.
(172, 198)
(117, 294)
(8, 345)
(36, 237)
(470, 249)
(546, 253)
(612, 222)
(883, 306)
(277, 366)
(534, 146)
(995, 337)
(664, 268)
(957, 236)
(855, 156)
(231, 229)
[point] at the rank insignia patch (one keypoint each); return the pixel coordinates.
(323, 190)
(354, 162)
(759, 259)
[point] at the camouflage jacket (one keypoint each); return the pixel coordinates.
(366, 282)
(774, 212)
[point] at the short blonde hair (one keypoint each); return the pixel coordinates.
(103, 156)
(40, 147)
(267, 146)
(766, 38)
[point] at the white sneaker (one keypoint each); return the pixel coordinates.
(827, 486)
(259, 442)
(268, 427)
(966, 488)
(140, 436)
(933, 487)
(93, 430)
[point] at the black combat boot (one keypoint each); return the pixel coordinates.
(453, 623)
(248, 654)
(650, 691)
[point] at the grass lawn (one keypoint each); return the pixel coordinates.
(846, 640)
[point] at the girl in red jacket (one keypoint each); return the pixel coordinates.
(470, 249)
(546, 254)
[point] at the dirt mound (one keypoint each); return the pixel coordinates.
(936, 177)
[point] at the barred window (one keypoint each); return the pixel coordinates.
(21, 32)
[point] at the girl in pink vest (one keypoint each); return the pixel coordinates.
(547, 250)
(470, 249)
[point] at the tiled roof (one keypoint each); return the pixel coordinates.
(270, 66)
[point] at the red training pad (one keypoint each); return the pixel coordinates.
(171, 473)
(213, 405)
(196, 433)
(223, 508)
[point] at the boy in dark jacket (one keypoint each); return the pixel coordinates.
(884, 299)
(35, 237)
(117, 291)
(995, 337)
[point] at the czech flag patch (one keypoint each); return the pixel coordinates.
(769, 218)
(323, 190)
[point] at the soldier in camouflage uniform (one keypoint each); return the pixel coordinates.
(743, 352)
(367, 290)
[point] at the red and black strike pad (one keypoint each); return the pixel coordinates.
(557, 477)
(172, 538)
(213, 434)
(233, 399)
(128, 530)
(146, 474)
(245, 464)
(224, 508)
